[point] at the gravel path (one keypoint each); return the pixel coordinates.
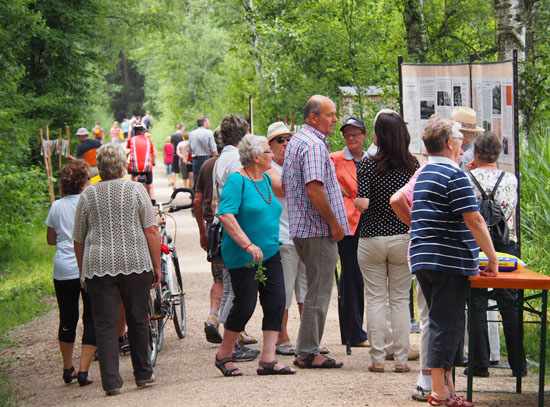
(185, 368)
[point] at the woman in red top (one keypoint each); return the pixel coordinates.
(168, 158)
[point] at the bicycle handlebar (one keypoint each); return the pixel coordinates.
(176, 208)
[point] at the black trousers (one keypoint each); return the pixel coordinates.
(352, 290)
(272, 296)
(446, 295)
(68, 293)
(105, 294)
(511, 326)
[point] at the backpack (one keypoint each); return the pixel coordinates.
(493, 214)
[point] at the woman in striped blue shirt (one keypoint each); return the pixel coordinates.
(447, 231)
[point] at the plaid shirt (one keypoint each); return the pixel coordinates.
(307, 159)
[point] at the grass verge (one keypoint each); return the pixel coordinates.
(25, 278)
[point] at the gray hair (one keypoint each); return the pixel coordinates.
(437, 132)
(312, 106)
(487, 147)
(251, 146)
(111, 161)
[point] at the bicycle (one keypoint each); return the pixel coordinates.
(168, 299)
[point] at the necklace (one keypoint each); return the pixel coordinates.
(258, 189)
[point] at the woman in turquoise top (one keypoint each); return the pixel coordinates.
(250, 215)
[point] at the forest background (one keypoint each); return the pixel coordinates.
(74, 62)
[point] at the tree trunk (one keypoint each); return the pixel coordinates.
(416, 31)
(510, 28)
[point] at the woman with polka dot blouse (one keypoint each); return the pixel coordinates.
(383, 242)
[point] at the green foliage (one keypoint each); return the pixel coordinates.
(22, 195)
(535, 201)
(25, 279)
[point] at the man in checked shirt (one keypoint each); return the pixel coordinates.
(317, 220)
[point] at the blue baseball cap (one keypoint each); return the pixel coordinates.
(353, 121)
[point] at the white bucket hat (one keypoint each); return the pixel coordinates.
(82, 132)
(277, 129)
(467, 118)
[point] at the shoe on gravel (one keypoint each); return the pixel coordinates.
(212, 333)
(142, 383)
(421, 394)
(244, 354)
(452, 401)
(415, 328)
(285, 348)
(247, 339)
(479, 372)
(112, 392)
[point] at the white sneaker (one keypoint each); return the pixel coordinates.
(420, 394)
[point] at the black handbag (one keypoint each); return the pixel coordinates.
(215, 234)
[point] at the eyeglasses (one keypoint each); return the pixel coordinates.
(353, 135)
(268, 152)
(458, 138)
(281, 140)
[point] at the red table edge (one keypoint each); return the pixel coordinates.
(519, 279)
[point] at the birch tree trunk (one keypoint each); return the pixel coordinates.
(510, 16)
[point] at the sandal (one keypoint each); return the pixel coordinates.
(307, 363)
(402, 368)
(83, 379)
(285, 348)
(451, 401)
(220, 364)
(376, 367)
(269, 369)
(212, 333)
(68, 375)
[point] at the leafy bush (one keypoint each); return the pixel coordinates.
(22, 195)
(535, 201)
(535, 224)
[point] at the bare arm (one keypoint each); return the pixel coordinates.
(197, 204)
(278, 188)
(51, 237)
(234, 230)
(79, 253)
(361, 204)
(401, 207)
(478, 227)
(318, 198)
(153, 242)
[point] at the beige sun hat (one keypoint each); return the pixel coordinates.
(467, 118)
(277, 129)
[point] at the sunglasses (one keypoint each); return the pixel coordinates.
(281, 140)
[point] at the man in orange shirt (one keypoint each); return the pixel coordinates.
(86, 150)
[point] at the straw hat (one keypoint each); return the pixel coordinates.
(277, 129)
(467, 118)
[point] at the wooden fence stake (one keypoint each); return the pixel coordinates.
(48, 172)
(67, 132)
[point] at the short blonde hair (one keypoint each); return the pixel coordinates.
(111, 161)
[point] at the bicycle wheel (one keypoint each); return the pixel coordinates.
(160, 313)
(153, 332)
(178, 301)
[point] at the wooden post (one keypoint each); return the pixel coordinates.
(48, 174)
(67, 131)
(59, 148)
